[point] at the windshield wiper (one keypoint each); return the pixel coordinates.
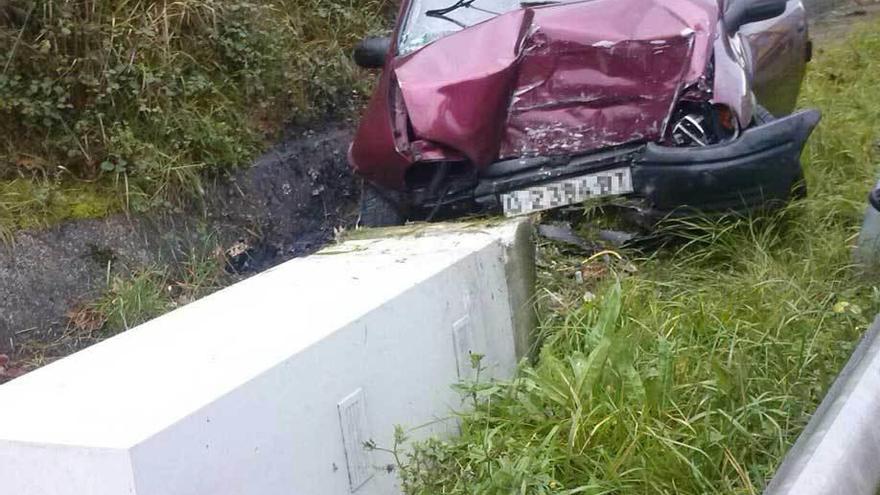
(445, 11)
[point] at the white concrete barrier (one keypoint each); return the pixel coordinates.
(271, 386)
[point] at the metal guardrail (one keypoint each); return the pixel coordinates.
(839, 451)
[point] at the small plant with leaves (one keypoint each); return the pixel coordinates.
(146, 98)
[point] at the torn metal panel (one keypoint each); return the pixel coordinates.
(485, 101)
(604, 73)
(459, 100)
(559, 79)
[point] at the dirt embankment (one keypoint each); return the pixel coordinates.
(286, 204)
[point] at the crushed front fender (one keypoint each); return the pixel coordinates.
(560, 79)
(759, 168)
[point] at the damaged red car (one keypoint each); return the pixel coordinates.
(519, 106)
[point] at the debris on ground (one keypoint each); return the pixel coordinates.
(617, 237)
(563, 232)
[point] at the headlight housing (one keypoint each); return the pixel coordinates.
(696, 124)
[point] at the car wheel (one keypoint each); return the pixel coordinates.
(799, 187)
(377, 210)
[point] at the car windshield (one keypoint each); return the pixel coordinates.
(421, 28)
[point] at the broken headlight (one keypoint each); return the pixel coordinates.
(702, 124)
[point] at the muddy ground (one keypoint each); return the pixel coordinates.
(288, 203)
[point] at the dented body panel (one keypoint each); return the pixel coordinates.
(564, 79)
(585, 83)
(457, 89)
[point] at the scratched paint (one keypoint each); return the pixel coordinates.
(560, 79)
(564, 78)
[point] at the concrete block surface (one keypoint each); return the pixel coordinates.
(272, 386)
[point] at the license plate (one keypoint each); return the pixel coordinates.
(567, 191)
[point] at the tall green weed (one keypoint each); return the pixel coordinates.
(149, 96)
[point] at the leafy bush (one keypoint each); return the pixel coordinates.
(155, 93)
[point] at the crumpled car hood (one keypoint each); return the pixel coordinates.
(558, 79)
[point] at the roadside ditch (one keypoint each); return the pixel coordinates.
(63, 288)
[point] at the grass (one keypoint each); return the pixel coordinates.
(697, 365)
(29, 203)
(132, 297)
(136, 297)
(140, 101)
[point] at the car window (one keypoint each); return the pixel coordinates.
(420, 29)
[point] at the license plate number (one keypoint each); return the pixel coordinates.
(567, 192)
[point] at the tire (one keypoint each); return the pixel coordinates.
(762, 116)
(377, 210)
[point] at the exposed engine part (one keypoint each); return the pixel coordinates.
(689, 131)
(702, 124)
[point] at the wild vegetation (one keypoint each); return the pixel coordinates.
(133, 296)
(690, 369)
(119, 103)
(697, 365)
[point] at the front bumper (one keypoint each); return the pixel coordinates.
(755, 171)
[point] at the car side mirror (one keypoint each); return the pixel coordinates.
(371, 52)
(746, 11)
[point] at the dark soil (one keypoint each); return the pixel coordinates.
(287, 204)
